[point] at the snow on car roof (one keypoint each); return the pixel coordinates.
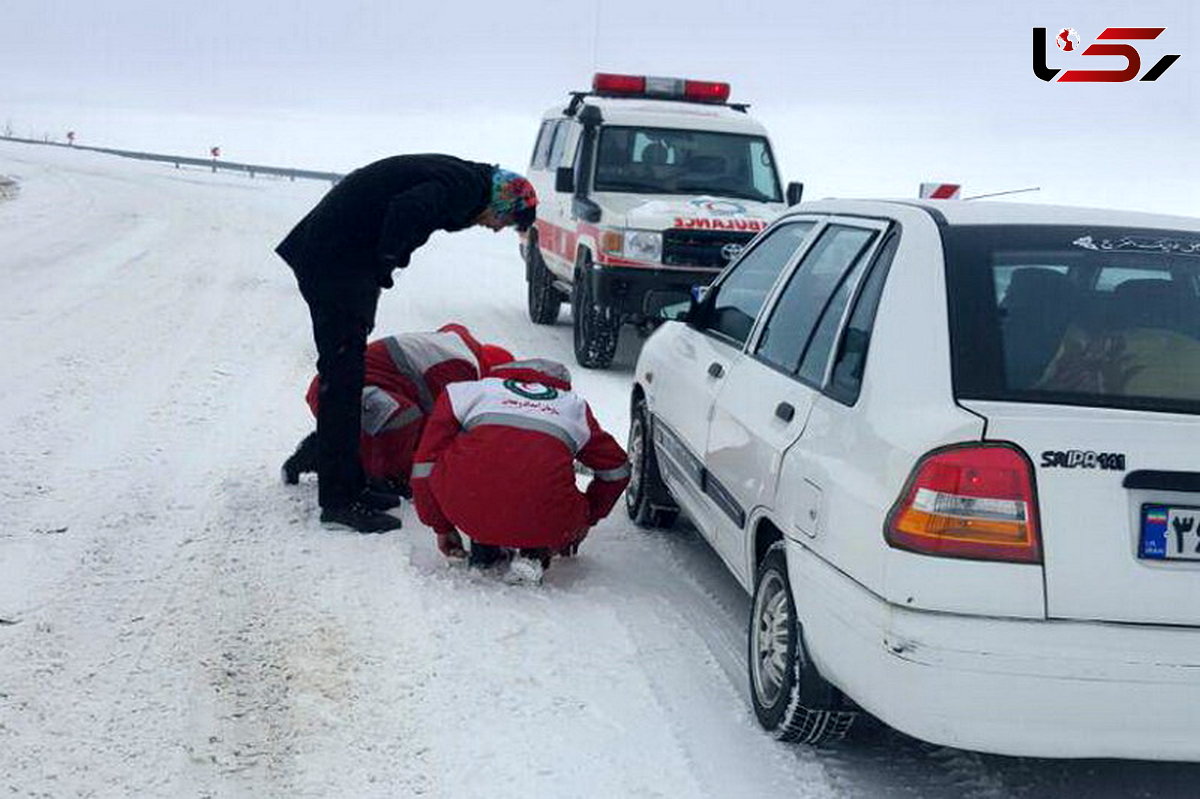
(976, 212)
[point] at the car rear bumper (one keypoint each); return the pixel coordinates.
(1008, 686)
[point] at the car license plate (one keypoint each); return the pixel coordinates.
(1170, 532)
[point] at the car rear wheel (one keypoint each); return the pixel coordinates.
(543, 299)
(791, 699)
(596, 327)
(647, 499)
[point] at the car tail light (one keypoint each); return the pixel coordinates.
(706, 91)
(609, 83)
(969, 501)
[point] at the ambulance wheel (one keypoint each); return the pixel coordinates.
(791, 699)
(544, 300)
(647, 499)
(595, 327)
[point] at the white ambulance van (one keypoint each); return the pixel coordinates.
(647, 187)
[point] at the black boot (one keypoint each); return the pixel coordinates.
(542, 556)
(482, 556)
(303, 460)
(357, 516)
(377, 499)
(389, 485)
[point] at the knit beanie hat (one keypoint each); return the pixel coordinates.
(513, 199)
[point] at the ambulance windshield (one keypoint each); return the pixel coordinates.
(695, 162)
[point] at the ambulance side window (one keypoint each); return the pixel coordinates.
(541, 150)
(762, 169)
(561, 134)
(571, 146)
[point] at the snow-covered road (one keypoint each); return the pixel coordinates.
(174, 622)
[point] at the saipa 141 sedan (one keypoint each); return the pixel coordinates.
(953, 450)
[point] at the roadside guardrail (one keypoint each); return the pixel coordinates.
(215, 164)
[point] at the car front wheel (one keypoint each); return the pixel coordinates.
(647, 499)
(791, 699)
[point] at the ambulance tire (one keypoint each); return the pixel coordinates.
(543, 299)
(595, 327)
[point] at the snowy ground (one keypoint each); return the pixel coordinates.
(174, 622)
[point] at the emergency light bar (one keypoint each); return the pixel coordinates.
(609, 84)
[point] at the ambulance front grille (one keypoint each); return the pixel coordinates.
(701, 248)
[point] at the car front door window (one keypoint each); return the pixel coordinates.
(740, 296)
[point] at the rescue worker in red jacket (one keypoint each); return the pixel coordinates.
(404, 375)
(496, 461)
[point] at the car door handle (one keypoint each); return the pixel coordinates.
(715, 369)
(785, 411)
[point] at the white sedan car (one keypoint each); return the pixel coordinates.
(953, 451)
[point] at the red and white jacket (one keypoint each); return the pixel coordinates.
(405, 375)
(497, 460)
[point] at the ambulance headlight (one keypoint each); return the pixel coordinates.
(636, 245)
(643, 245)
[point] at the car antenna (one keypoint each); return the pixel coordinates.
(1000, 193)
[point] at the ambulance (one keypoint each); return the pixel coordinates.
(647, 188)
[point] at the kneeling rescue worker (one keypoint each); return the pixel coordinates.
(497, 462)
(405, 374)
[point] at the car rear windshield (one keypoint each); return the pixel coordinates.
(1098, 316)
(671, 161)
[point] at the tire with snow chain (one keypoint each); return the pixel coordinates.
(542, 298)
(595, 327)
(647, 499)
(791, 699)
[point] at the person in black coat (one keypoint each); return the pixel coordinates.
(343, 253)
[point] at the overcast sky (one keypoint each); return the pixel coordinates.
(839, 82)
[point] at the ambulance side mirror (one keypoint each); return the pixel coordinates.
(564, 180)
(794, 192)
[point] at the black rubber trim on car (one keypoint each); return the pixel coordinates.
(672, 444)
(938, 217)
(724, 500)
(696, 472)
(1163, 481)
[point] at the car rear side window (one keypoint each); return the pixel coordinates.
(741, 294)
(846, 380)
(811, 289)
(1106, 317)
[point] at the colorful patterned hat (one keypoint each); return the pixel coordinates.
(513, 199)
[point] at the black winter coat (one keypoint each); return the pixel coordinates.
(374, 218)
